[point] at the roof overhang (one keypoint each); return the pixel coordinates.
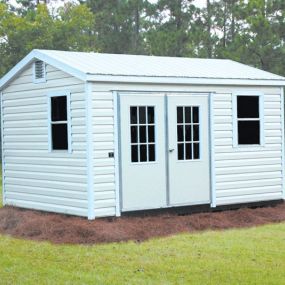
(37, 55)
(183, 80)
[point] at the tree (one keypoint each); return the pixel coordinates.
(37, 29)
(257, 41)
(171, 30)
(249, 31)
(74, 29)
(118, 25)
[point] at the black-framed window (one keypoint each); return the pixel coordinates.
(248, 120)
(188, 132)
(142, 133)
(59, 123)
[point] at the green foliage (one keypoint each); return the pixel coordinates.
(31, 28)
(172, 34)
(249, 31)
(74, 29)
(119, 24)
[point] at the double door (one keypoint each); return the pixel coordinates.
(164, 150)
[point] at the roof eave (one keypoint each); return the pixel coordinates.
(32, 56)
(184, 80)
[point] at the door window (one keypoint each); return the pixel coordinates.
(188, 133)
(142, 133)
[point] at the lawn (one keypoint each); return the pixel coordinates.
(247, 256)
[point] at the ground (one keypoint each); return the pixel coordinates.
(254, 255)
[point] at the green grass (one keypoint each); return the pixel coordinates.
(247, 256)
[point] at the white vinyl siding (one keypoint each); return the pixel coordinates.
(242, 175)
(253, 173)
(34, 177)
(103, 143)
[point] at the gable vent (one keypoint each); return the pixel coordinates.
(39, 71)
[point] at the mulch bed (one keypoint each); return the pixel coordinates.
(35, 225)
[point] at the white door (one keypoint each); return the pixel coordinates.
(188, 155)
(143, 167)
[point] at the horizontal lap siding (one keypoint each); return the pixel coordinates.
(33, 177)
(241, 176)
(255, 173)
(103, 143)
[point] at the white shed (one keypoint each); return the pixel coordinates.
(96, 135)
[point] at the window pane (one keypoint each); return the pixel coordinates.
(59, 136)
(151, 136)
(150, 115)
(248, 132)
(134, 153)
(196, 132)
(196, 150)
(195, 114)
(180, 154)
(143, 152)
(188, 150)
(134, 134)
(180, 133)
(179, 114)
(142, 115)
(188, 133)
(58, 108)
(142, 134)
(187, 114)
(133, 115)
(151, 152)
(248, 106)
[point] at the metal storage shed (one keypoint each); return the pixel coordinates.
(98, 134)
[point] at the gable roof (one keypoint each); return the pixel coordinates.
(150, 69)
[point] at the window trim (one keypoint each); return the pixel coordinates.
(69, 142)
(235, 118)
(39, 80)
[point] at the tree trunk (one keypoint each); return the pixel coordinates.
(225, 26)
(233, 28)
(209, 26)
(137, 26)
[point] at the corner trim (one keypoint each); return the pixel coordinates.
(212, 151)
(117, 152)
(89, 151)
(2, 146)
(283, 141)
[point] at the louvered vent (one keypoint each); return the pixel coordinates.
(39, 70)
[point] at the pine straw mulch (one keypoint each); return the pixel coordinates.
(56, 228)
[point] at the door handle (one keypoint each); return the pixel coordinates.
(171, 149)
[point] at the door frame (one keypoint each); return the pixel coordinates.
(118, 148)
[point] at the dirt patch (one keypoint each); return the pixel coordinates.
(57, 228)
